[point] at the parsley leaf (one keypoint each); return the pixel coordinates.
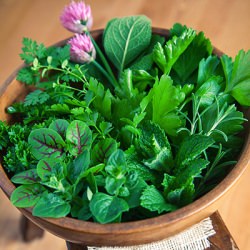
(36, 97)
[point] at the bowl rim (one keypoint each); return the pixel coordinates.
(146, 224)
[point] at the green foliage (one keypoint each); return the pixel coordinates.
(147, 138)
(126, 38)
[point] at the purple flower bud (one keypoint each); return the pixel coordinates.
(77, 17)
(82, 49)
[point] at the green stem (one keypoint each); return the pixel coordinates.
(104, 72)
(104, 61)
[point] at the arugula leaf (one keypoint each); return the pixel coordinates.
(126, 38)
(166, 98)
(106, 208)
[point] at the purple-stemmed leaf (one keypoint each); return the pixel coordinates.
(26, 177)
(48, 167)
(27, 195)
(79, 136)
(47, 143)
(60, 126)
(103, 149)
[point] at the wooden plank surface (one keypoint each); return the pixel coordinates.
(225, 22)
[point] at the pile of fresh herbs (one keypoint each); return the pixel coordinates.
(150, 136)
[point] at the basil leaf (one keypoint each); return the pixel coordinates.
(78, 166)
(126, 38)
(106, 208)
(51, 206)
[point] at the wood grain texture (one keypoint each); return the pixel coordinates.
(225, 22)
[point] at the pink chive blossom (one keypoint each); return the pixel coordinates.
(82, 49)
(77, 17)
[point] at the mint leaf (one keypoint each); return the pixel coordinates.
(154, 147)
(191, 147)
(126, 38)
(106, 208)
(153, 200)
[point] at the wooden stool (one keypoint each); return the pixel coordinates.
(222, 240)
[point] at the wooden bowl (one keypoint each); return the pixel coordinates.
(128, 233)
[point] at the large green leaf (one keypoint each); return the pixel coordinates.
(79, 136)
(166, 98)
(51, 206)
(46, 142)
(106, 208)
(153, 200)
(125, 38)
(27, 195)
